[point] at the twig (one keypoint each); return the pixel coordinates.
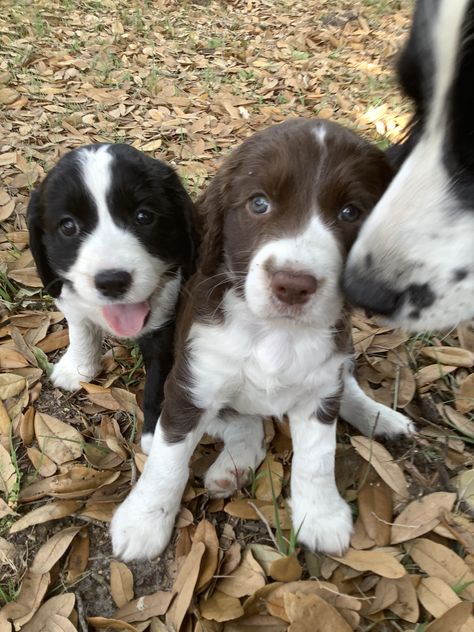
(265, 522)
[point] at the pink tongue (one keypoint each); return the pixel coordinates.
(126, 319)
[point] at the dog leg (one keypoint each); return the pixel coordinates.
(321, 518)
(81, 362)
(370, 417)
(244, 449)
(142, 526)
(157, 351)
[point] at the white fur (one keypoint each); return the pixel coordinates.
(259, 366)
(420, 232)
(107, 247)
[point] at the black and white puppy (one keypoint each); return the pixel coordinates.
(413, 261)
(112, 236)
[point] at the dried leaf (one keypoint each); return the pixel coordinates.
(304, 611)
(121, 583)
(206, 533)
(421, 516)
(265, 484)
(450, 355)
(221, 607)
(8, 477)
(436, 596)
(143, 608)
(375, 508)
(383, 463)
(465, 396)
(58, 440)
(78, 557)
(11, 385)
(286, 569)
(432, 372)
(184, 585)
(33, 590)
(50, 552)
(41, 462)
(51, 511)
(245, 580)
(376, 561)
(54, 612)
(453, 619)
(110, 624)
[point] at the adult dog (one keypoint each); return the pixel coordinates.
(264, 332)
(413, 261)
(112, 236)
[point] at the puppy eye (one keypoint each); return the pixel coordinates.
(259, 205)
(349, 213)
(144, 218)
(68, 227)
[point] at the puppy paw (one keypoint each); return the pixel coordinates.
(325, 529)
(68, 374)
(232, 469)
(390, 423)
(140, 531)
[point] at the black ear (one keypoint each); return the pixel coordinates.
(34, 218)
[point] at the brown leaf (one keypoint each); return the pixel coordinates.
(143, 608)
(58, 440)
(78, 557)
(375, 508)
(450, 355)
(432, 372)
(206, 533)
(265, 556)
(8, 477)
(184, 585)
(377, 561)
(439, 561)
(453, 619)
(110, 624)
(406, 605)
(269, 468)
(52, 550)
(421, 516)
(286, 569)
(11, 385)
(465, 396)
(8, 96)
(383, 463)
(245, 580)
(54, 612)
(310, 613)
(121, 583)
(52, 511)
(41, 462)
(33, 590)
(436, 596)
(221, 607)
(55, 340)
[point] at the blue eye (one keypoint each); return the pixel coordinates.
(349, 213)
(259, 205)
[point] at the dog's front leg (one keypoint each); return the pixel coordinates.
(81, 362)
(321, 518)
(157, 351)
(142, 526)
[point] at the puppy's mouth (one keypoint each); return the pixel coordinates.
(126, 319)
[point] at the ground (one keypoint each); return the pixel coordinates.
(186, 81)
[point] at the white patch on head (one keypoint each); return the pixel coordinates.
(315, 251)
(113, 247)
(419, 233)
(319, 132)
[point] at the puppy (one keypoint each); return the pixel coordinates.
(112, 236)
(413, 261)
(265, 333)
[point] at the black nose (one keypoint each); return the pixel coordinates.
(113, 283)
(365, 290)
(293, 289)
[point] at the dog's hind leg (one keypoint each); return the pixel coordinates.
(244, 449)
(81, 362)
(370, 417)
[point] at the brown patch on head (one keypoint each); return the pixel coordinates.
(301, 167)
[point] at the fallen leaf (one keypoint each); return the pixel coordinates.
(245, 580)
(421, 516)
(376, 561)
(286, 569)
(436, 596)
(206, 533)
(184, 585)
(431, 373)
(51, 511)
(375, 508)
(32, 592)
(53, 549)
(11, 385)
(465, 396)
(41, 462)
(453, 619)
(143, 608)
(110, 624)
(269, 479)
(221, 607)
(310, 613)
(58, 440)
(78, 557)
(121, 583)
(383, 463)
(450, 355)
(8, 477)
(54, 612)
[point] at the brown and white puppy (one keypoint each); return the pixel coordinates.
(265, 333)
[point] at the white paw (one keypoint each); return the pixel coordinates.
(325, 529)
(140, 531)
(146, 441)
(68, 374)
(391, 423)
(232, 469)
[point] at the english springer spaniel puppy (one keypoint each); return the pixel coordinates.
(265, 332)
(112, 236)
(413, 261)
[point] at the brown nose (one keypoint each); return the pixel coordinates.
(293, 288)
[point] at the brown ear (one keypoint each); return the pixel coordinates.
(210, 208)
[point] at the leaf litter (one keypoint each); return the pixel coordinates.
(186, 81)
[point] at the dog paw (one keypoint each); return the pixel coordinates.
(232, 469)
(326, 530)
(391, 423)
(140, 531)
(68, 374)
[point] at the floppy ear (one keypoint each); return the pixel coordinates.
(34, 217)
(210, 209)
